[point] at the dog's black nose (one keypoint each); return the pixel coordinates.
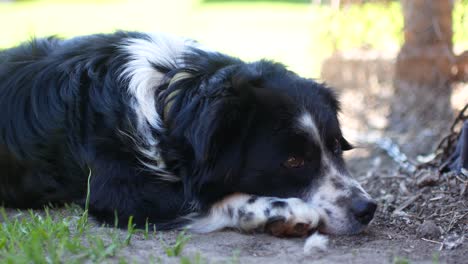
(363, 209)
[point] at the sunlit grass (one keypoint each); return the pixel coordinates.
(66, 236)
(46, 237)
(58, 237)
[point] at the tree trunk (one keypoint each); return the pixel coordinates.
(426, 58)
(461, 68)
(423, 74)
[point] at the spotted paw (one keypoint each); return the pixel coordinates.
(279, 217)
(279, 227)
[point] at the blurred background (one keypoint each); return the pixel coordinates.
(366, 49)
(299, 33)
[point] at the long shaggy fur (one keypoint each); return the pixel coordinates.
(166, 127)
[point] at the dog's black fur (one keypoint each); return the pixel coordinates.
(229, 127)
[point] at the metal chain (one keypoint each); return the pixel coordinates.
(393, 150)
(442, 152)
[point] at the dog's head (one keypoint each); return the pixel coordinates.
(260, 129)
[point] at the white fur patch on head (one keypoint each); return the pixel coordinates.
(315, 242)
(307, 123)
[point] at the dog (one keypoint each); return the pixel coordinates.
(174, 134)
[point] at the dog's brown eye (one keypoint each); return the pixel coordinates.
(294, 162)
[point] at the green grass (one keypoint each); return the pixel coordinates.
(197, 259)
(435, 258)
(400, 260)
(176, 249)
(59, 236)
(42, 237)
(297, 34)
(66, 236)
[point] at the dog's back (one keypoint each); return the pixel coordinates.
(64, 106)
(39, 83)
(19, 67)
(58, 99)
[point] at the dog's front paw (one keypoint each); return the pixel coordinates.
(279, 217)
(292, 217)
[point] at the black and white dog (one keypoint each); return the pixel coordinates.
(175, 135)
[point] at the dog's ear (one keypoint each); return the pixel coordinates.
(216, 138)
(225, 119)
(345, 145)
